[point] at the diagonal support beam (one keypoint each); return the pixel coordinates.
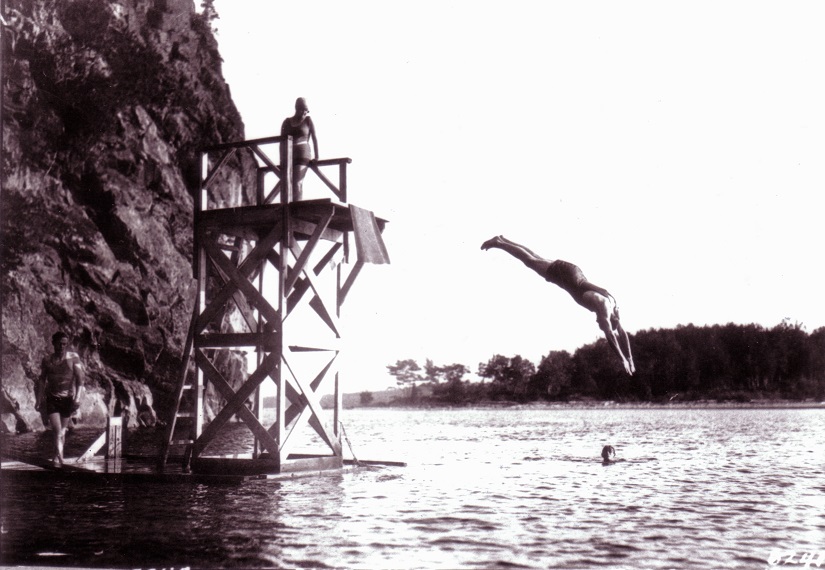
(273, 193)
(240, 300)
(326, 181)
(301, 284)
(251, 292)
(304, 417)
(310, 398)
(303, 258)
(250, 264)
(344, 291)
(322, 306)
(236, 402)
(295, 410)
(266, 160)
(211, 176)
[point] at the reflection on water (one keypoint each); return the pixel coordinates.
(515, 487)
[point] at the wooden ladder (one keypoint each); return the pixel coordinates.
(181, 389)
(184, 386)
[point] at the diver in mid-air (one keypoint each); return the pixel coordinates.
(570, 278)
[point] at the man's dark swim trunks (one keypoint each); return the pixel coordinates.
(570, 278)
(60, 385)
(63, 405)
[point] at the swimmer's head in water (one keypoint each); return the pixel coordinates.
(608, 452)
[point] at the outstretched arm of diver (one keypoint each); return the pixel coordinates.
(624, 343)
(610, 335)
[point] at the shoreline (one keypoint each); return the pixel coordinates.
(699, 404)
(613, 405)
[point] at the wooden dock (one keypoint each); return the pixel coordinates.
(144, 470)
(25, 457)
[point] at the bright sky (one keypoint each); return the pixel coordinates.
(675, 151)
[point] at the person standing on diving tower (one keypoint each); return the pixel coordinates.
(570, 278)
(302, 130)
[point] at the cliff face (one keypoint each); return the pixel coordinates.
(105, 104)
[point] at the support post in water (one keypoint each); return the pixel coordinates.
(114, 438)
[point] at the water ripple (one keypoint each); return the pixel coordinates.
(520, 488)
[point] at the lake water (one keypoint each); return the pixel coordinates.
(483, 488)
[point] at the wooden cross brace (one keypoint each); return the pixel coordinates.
(299, 394)
(238, 277)
(302, 284)
(326, 308)
(302, 257)
(236, 402)
(240, 301)
(303, 396)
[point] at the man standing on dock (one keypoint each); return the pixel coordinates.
(61, 378)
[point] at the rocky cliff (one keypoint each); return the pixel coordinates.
(105, 104)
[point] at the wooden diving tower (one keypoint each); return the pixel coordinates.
(270, 265)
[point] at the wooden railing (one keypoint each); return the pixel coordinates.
(282, 169)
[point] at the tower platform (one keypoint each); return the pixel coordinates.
(260, 218)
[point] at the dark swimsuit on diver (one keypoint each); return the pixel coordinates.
(300, 140)
(570, 278)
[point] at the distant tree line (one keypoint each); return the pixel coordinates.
(722, 362)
